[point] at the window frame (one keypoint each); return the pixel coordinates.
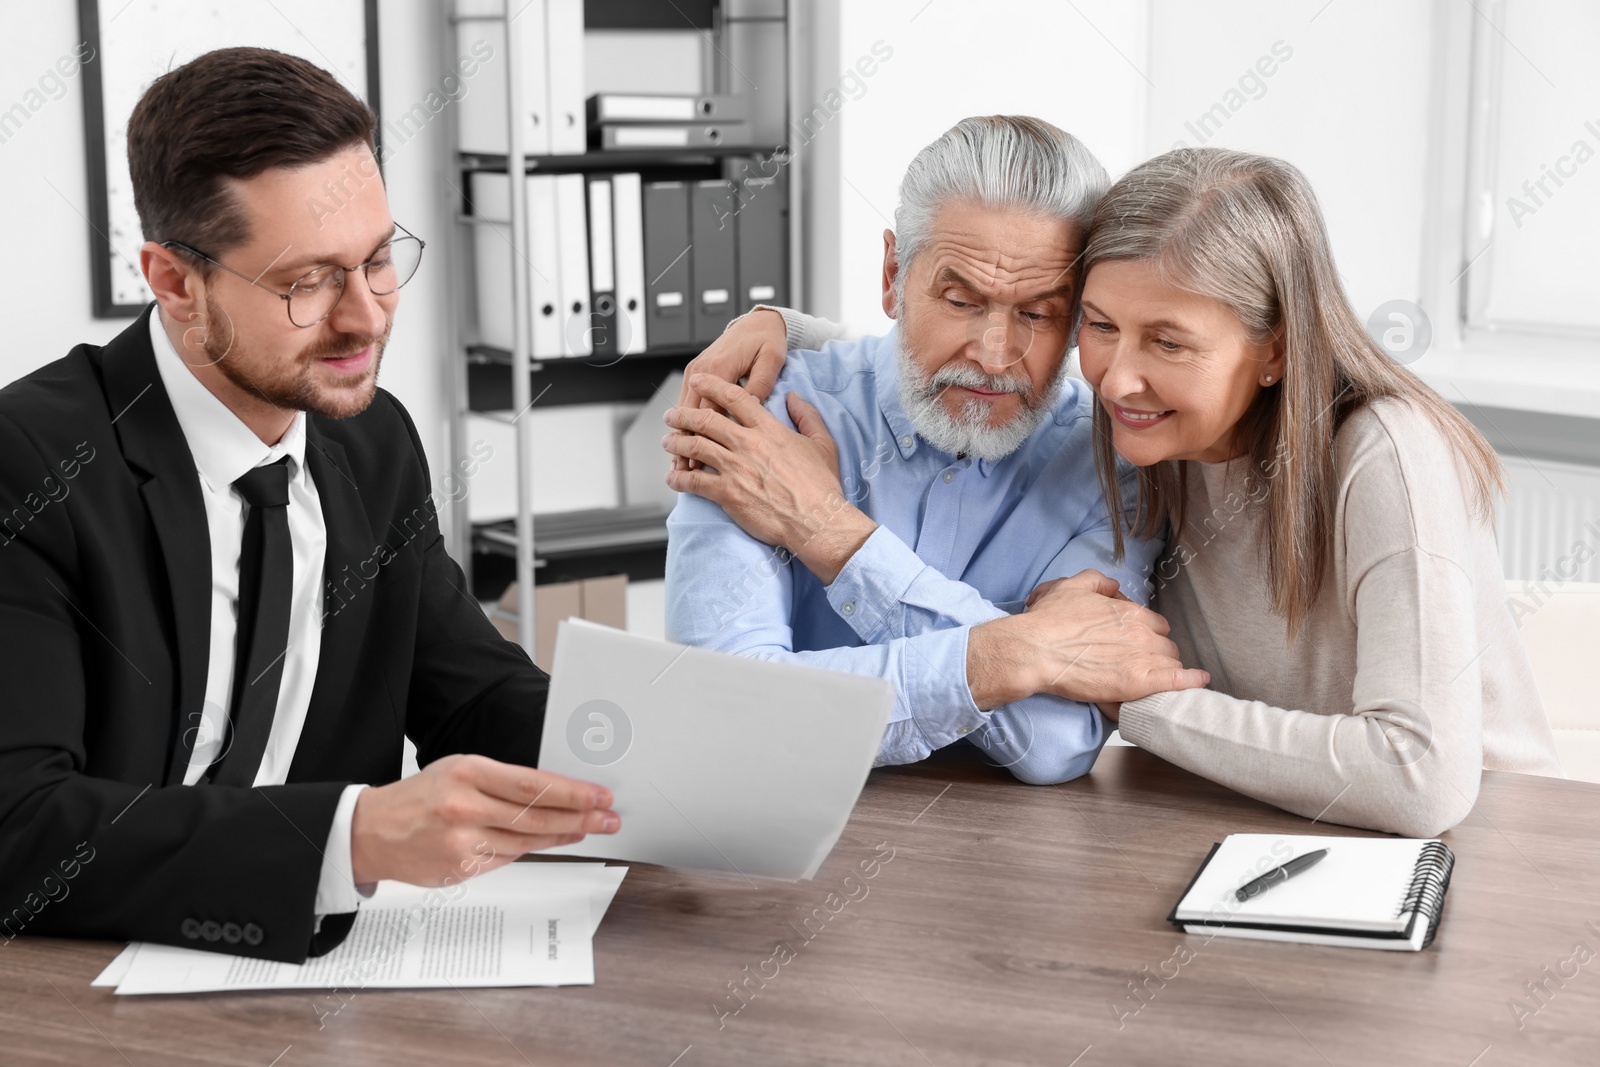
(1458, 244)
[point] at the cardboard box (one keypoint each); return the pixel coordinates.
(602, 600)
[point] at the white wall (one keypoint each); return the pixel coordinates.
(415, 368)
(1081, 66)
(44, 271)
(1349, 107)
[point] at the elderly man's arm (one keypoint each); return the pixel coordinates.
(886, 592)
(732, 593)
(893, 593)
(729, 592)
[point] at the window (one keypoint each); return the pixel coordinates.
(1532, 206)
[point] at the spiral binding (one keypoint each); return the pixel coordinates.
(1428, 885)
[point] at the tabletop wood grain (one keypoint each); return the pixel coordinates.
(963, 918)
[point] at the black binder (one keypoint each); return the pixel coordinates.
(713, 214)
(667, 257)
(762, 194)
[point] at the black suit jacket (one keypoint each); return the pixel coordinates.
(105, 599)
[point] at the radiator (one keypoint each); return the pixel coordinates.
(1549, 521)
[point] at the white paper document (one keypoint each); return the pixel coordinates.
(525, 924)
(716, 762)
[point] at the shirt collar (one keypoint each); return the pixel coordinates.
(886, 376)
(223, 447)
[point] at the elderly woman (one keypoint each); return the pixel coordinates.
(1331, 558)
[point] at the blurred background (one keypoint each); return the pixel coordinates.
(1451, 142)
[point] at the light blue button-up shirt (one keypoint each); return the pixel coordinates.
(959, 542)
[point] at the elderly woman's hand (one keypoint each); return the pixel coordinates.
(753, 347)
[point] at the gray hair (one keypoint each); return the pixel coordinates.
(1000, 161)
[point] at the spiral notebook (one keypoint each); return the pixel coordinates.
(1384, 893)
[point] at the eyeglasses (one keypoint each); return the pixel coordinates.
(315, 294)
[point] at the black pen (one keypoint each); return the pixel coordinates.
(1278, 875)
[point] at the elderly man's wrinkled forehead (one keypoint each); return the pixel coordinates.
(1012, 253)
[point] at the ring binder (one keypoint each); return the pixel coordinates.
(1425, 895)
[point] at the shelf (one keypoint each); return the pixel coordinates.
(482, 382)
(580, 532)
(571, 546)
(559, 382)
(634, 159)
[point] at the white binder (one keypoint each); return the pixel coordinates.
(544, 253)
(602, 268)
(564, 47)
(572, 236)
(491, 250)
(628, 212)
(491, 207)
(481, 44)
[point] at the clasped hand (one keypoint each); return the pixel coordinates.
(1081, 639)
(780, 486)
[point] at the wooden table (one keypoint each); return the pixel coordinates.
(1008, 927)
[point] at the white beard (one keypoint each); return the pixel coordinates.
(968, 432)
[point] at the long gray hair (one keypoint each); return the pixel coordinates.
(1246, 231)
(999, 161)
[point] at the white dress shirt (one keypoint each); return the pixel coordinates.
(224, 448)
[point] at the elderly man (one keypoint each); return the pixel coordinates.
(939, 474)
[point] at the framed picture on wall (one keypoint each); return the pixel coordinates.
(136, 41)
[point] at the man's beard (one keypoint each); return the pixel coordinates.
(293, 386)
(968, 431)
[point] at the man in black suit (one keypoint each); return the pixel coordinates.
(224, 599)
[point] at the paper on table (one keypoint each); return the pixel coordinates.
(597, 881)
(717, 762)
(117, 969)
(494, 930)
(462, 945)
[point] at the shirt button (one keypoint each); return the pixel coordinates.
(964, 730)
(905, 442)
(949, 476)
(849, 607)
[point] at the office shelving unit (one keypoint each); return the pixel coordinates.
(495, 383)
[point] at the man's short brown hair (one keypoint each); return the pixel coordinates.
(231, 113)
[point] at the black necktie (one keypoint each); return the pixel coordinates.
(266, 581)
